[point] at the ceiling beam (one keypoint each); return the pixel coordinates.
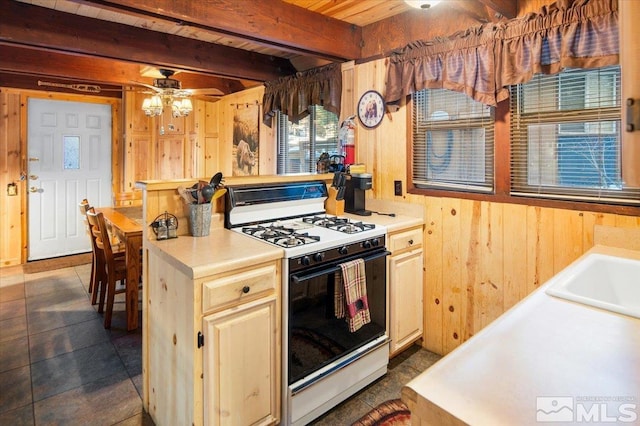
(507, 8)
(382, 37)
(44, 28)
(271, 23)
(74, 68)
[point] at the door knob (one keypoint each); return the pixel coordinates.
(33, 177)
(34, 159)
(33, 189)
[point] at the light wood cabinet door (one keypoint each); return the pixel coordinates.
(241, 365)
(405, 299)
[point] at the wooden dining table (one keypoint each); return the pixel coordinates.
(126, 223)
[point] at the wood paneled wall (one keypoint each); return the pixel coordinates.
(481, 257)
(10, 169)
(13, 163)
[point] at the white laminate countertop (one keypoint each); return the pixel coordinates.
(221, 251)
(392, 224)
(406, 215)
(544, 347)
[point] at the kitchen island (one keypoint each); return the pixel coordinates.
(544, 357)
(212, 330)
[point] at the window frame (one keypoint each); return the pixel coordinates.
(502, 173)
(312, 142)
(467, 122)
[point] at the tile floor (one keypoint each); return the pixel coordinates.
(58, 365)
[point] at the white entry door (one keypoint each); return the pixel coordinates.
(69, 146)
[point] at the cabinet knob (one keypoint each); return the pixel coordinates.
(410, 242)
(246, 289)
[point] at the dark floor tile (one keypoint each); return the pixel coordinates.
(129, 348)
(15, 389)
(106, 401)
(344, 414)
(137, 382)
(141, 419)
(11, 275)
(50, 281)
(66, 339)
(13, 328)
(65, 372)
(14, 354)
(57, 299)
(22, 416)
(11, 289)
(12, 309)
(61, 315)
(388, 387)
(421, 360)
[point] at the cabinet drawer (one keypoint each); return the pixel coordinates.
(238, 287)
(405, 240)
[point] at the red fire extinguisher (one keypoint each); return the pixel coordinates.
(347, 138)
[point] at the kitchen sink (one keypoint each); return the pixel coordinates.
(601, 281)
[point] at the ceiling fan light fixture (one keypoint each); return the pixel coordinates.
(170, 94)
(152, 106)
(181, 107)
(422, 4)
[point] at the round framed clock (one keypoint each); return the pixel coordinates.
(371, 109)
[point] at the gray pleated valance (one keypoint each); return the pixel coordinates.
(483, 61)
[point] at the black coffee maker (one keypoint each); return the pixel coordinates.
(354, 197)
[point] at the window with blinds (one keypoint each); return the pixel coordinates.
(453, 142)
(300, 145)
(565, 137)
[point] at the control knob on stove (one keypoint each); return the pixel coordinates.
(305, 261)
(343, 250)
(318, 257)
(375, 242)
(366, 244)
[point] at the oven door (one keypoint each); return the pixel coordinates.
(316, 336)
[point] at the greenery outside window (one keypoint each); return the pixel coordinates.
(453, 140)
(565, 137)
(300, 145)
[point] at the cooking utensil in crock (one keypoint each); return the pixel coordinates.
(215, 180)
(219, 193)
(186, 195)
(207, 192)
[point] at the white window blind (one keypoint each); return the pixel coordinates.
(300, 145)
(453, 142)
(565, 137)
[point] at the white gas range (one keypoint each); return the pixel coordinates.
(323, 362)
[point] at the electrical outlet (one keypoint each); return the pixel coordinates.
(397, 186)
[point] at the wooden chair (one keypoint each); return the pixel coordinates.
(98, 275)
(114, 266)
(83, 207)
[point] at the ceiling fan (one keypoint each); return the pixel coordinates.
(168, 92)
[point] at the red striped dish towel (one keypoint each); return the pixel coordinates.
(350, 295)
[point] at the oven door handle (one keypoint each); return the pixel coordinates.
(300, 278)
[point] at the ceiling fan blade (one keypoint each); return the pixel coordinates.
(210, 91)
(155, 89)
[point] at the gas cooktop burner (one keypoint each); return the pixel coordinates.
(279, 234)
(295, 240)
(341, 224)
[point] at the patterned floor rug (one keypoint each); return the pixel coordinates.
(389, 413)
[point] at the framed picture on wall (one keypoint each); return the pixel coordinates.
(246, 139)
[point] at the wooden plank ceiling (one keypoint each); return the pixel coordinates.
(217, 46)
